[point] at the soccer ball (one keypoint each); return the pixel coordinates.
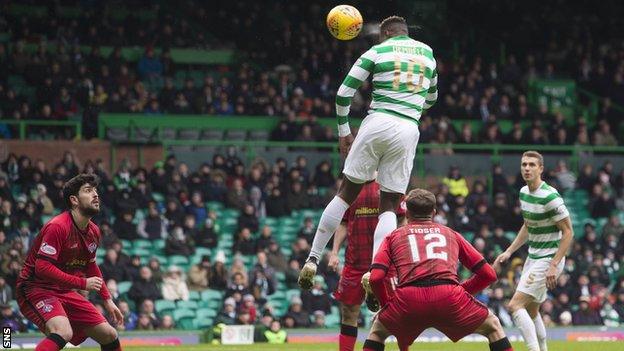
(344, 22)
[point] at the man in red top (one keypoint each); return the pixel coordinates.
(358, 225)
(62, 261)
(429, 294)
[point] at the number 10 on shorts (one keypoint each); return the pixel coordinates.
(6, 338)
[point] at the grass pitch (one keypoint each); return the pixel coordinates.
(461, 346)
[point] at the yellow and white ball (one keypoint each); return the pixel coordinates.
(344, 22)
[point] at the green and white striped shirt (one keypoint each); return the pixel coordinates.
(404, 79)
(542, 209)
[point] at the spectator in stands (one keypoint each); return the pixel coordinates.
(144, 322)
(613, 227)
(125, 228)
(238, 285)
(227, 316)
(300, 250)
(482, 217)
(603, 135)
(275, 334)
(275, 257)
(585, 315)
(500, 211)
(150, 67)
(147, 309)
(157, 273)
(297, 198)
(323, 177)
(619, 305)
(197, 208)
(11, 319)
(456, 182)
(237, 196)
(319, 319)
(601, 205)
(65, 105)
(248, 219)
(6, 292)
(300, 318)
(178, 243)
(219, 277)
(308, 230)
(276, 204)
(478, 195)
(144, 288)
(245, 244)
(266, 237)
(174, 285)
(112, 268)
(207, 235)
(174, 214)
(166, 323)
(200, 275)
(130, 318)
(153, 226)
(317, 298)
(565, 178)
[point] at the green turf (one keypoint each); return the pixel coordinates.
(463, 346)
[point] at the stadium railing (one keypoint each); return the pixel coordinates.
(23, 126)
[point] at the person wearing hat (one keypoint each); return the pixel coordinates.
(300, 317)
(227, 316)
(199, 275)
(585, 315)
(10, 319)
(174, 286)
(457, 184)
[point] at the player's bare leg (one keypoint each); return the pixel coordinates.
(519, 308)
(540, 328)
(493, 330)
(348, 327)
(58, 331)
(105, 335)
(330, 219)
(376, 337)
(388, 203)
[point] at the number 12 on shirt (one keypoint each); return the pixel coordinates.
(434, 240)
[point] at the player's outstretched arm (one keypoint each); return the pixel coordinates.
(354, 79)
(521, 238)
(432, 93)
(339, 238)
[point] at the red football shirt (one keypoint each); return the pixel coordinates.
(361, 219)
(63, 244)
(424, 250)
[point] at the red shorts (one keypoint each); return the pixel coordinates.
(448, 308)
(350, 291)
(40, 305)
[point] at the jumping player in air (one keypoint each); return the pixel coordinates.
(404, 85)
(428, 294)
(548, 231)
(357, 228)
(60, 262)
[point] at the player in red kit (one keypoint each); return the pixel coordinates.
(358, 225)
(429, 294)
(62, 261)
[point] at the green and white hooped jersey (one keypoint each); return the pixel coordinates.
(404, 79)
(541, 210)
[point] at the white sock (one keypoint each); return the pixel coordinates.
(330, 219)
(541, 332)
(387, 223)
(527, 328)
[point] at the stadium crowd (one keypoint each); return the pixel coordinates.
(70, 84)
(172, 200)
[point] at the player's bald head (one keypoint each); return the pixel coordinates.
(392, 26)
(420, 204)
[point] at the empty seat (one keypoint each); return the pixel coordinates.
(117, 134)
(143, 134)
(188, 134)
(168, 134)
(259, 135)
(212, 134)
(236, 134)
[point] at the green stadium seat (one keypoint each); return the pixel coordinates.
(204, 323)
(211, 294)
(127, 244)
(189, 305)
(280, 276)
(206, 313)
(143, 252)
(158, 244)
(211, 304)
(183, 313)
(163, 306)
(292, 293)
(332, 320)
(194, 296)
(142, 243)
(186, 324)
(123, 287)
(178, 260)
